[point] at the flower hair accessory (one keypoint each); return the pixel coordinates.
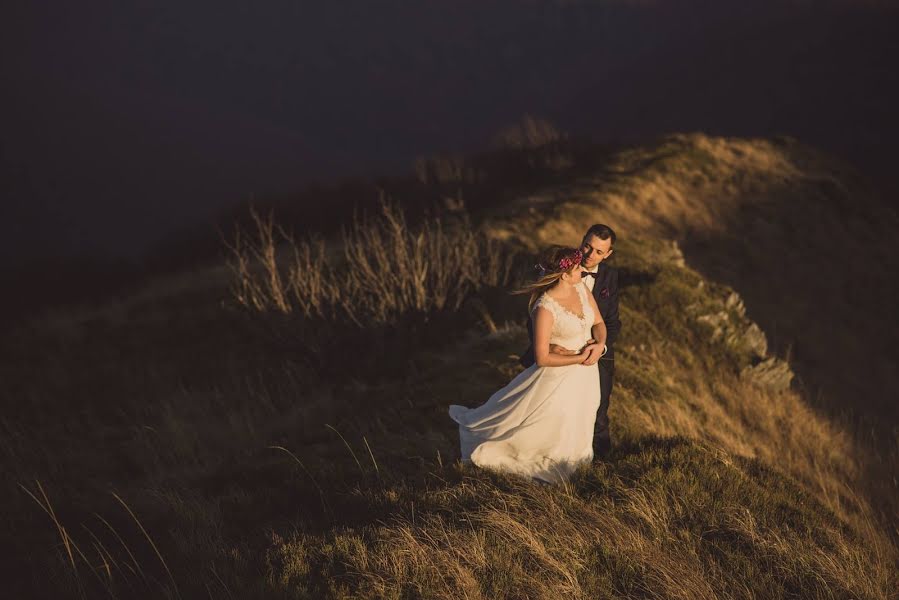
(569, 261)
(565, 263)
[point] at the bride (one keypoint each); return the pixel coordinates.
(540, 425)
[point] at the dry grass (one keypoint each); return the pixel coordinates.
(382, 269)
(531, 132)
(636, 529)
(260, 477)
(804, 240)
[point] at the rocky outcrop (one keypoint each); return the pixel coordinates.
(732, 328)
(772, 373)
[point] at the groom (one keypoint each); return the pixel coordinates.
(602, 281)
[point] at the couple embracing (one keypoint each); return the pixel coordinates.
(553, 416)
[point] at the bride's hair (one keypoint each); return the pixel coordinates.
(555, 261)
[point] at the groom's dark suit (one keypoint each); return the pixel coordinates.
(605, 291)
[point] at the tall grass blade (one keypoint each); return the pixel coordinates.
(345, 443)
(136, 569)
(373, 461)
(150, 540)
(321, 493)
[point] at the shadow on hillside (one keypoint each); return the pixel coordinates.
(817, 287)
(815, 266)
(634, 278)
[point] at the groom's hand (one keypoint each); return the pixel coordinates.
(592, 353)
(556, 349)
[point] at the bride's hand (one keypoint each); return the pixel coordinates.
(591, 353)
(586, 345)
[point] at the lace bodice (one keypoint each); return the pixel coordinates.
(569, 330)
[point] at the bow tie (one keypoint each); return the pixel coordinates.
(586, 273)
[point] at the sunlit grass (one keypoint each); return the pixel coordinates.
(379, 270)
(175, 447)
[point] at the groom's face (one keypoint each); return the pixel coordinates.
(595, 250)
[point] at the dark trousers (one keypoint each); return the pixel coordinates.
(602, 439)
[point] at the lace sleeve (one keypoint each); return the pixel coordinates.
(547, 303)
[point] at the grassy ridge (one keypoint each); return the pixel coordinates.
(682, 513)
(255, 472)
(806, 241)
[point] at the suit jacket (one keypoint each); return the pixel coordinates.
(605, 291)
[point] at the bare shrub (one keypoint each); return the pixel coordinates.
(446, 169)
(531, 132)
(380, 268)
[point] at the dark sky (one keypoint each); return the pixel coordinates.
(122, 121)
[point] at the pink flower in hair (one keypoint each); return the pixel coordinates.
(570, 260)
(565, 263)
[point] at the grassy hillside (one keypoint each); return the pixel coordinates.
(807, 243)
(185, 446)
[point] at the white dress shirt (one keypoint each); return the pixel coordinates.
(591, 281)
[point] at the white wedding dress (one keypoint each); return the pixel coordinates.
(541, 424)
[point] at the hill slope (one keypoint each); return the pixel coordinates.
(807, 244)
(242, 467)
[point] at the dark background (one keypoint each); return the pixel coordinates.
(123, 122)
